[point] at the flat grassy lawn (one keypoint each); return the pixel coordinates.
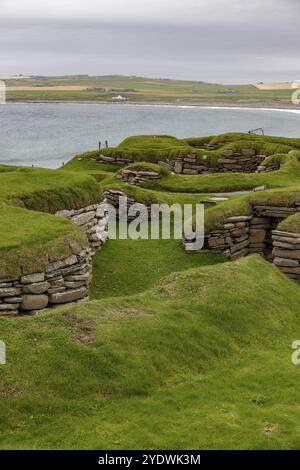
(124, 267)
(201, 360)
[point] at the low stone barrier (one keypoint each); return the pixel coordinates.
(112, 197)
(244, 161)
(93, 220)
(138, 175)
(61, 282)
(114, 158)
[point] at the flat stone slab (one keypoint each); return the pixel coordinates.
(239, 218)
(37, 288)
(34, 302)
(290, 254)
(68, 296)
(32, 278)
(284, 262)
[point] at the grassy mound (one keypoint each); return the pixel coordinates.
(151, 142)
(48, 190)
(230, 137)
(134, 372)
(290, 224)
(30, 240)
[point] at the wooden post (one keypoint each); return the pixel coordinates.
(106, 144)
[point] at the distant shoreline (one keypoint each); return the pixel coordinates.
(251, 105)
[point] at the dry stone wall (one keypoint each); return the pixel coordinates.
(113, 198)
(93, 220)
(246, 160)
(138, 175)
(258, 233)
(61, 282)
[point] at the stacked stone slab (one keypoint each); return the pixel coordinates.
(259, 228)
(267, 168)
(233, 239)
(286, 253)
(93, 220)
(277, 212)
(61, 282)
(113, 197)
(138, 175)
(242, 161)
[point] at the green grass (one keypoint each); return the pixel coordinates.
(48, 190)
(173, 367)
(132, 266)
(30, 240)
(83, 163)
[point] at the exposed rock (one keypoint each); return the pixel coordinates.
(78, 277)
(284, 262)
(82, 219)
(68, 296)
(7, 307)
(9, 292)
(32, 278)
(289, 254)
(34, 302)
(74, 284)
(12, 300)
(240, 218)
(37, 288)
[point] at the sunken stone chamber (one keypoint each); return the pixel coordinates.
(258, 233)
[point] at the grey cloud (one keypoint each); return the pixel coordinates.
(257, 47)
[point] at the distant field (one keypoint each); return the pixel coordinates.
(141, 89)
(278, 86)
(47, 88)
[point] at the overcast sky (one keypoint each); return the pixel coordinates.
(230, 41)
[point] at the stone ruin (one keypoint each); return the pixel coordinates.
(258, 233)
